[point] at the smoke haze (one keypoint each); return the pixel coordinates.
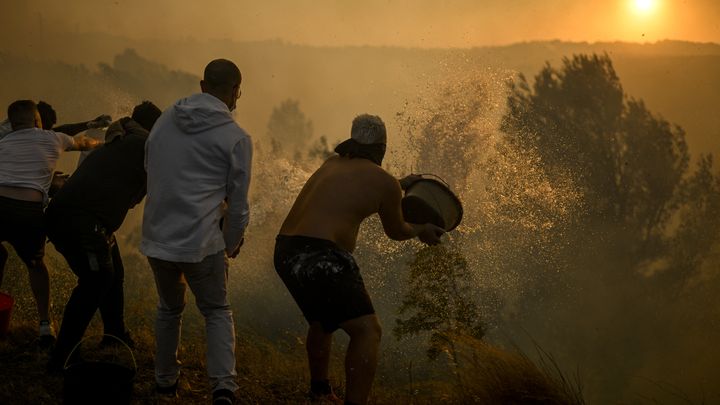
(419, 65)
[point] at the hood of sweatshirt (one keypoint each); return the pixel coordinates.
(200, 112)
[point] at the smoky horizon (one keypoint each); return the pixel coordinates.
(581, 138)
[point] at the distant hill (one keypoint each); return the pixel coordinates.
(678, 80)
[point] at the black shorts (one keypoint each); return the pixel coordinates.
(21, 224)
(323, 279)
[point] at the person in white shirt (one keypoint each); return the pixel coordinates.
(30, 154)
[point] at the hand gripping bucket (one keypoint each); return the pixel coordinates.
(98, 382)
(429, 199)
(6, 306)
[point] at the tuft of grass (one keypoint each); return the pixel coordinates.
(491, 375)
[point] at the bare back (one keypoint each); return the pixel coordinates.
(339, 196)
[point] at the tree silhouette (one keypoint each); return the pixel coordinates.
(321, 149)
(628, 162)
(134, 74)
(449, 140)
(698, 233)
(288, 128)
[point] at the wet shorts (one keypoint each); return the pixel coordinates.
(323, 279)
(21, 224)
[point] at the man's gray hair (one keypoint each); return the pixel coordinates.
(368, 129)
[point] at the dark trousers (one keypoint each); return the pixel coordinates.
(94, 257)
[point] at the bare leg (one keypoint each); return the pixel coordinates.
(318, 346)
(361, 358)
(40, 285)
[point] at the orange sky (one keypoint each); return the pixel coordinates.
(415, 23)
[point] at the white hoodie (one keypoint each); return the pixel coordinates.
(196, 156)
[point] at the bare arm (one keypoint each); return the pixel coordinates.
(82, 142)
(394, 224)
(391, 214)
(74, 129)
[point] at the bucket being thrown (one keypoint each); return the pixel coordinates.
(6, 306)
(429, 199)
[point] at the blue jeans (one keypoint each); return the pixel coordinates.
(208, 282)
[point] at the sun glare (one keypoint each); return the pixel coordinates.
(644, 6)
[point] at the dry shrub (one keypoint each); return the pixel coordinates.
(491, 375)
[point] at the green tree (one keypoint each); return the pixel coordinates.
(440, 301)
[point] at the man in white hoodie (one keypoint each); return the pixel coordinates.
(198, 166)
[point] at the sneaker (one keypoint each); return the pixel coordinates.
(46, 329)
(170, 391)
(223, 397)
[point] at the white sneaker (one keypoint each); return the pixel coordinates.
(46, 329)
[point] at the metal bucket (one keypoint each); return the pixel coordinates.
(6, 306)
(98, 382)
(430, 199)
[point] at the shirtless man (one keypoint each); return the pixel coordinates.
(313, 255)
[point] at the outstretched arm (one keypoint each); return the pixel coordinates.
(74, 129)
(82, 142)
(394, 224)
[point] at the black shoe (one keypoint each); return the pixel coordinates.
(223, 397)
(170, 391)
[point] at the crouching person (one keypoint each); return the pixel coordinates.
(81, 220)
(313, 255)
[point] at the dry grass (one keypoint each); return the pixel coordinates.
(267, 374)
(490, 375)
(275, 373)
(270, 371)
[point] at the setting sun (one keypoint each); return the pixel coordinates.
(644, 6)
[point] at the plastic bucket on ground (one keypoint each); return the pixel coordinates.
(6, 306)
(430, 199)
(99, 382)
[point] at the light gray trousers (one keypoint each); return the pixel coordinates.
(208, 282)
